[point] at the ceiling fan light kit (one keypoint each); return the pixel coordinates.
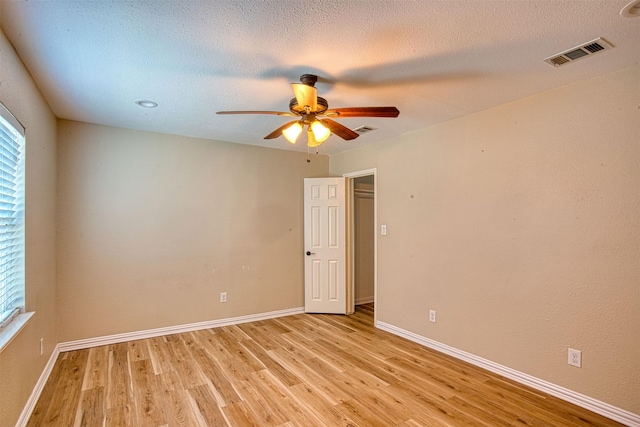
(291, 133)
(312, 142)
(320, 132)
(310, 107)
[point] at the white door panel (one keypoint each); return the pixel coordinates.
(325, 250)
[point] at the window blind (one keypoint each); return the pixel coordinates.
(11, 217)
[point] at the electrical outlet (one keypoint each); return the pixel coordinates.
(575, 358)
(41, 346)
(383, 230)
(223, 297)
(432, 316)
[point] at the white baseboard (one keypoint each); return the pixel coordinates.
(35, 393)
(150, 333)
(364, 300)
(617, 414)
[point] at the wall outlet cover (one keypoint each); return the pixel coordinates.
(575, 358)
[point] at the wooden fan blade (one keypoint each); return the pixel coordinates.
(278, 132)
(305, 95)
(275, 113)
(340, 130)
(363, 112)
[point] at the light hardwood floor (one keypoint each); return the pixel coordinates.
(303, 370)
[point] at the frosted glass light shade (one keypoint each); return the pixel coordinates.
(291, 133)
(320, 132)
(311, 140)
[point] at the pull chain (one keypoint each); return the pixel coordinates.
(309, 153)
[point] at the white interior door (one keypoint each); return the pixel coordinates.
(325, 289)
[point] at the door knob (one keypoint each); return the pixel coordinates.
(309, 253)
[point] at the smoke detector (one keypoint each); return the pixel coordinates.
(583, 51)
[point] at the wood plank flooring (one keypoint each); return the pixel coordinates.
(302, 370)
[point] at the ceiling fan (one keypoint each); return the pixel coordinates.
(314, 112)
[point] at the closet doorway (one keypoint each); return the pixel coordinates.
(362, 254)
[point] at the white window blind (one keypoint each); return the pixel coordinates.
(11, 217)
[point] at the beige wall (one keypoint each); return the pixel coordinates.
(21, 363)
(153, 227)
(520, 225)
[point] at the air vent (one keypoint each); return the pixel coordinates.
(364, 129)
(578, 52)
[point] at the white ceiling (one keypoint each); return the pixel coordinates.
(433, 59)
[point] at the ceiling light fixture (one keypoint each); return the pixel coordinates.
(310, 107)
(311, 139)
(317, 132)
(320, 131)
(146, 103)
(291, 133)
(632, 10)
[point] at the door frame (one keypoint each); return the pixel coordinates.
(351, 176)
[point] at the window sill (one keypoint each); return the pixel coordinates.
(12, 329)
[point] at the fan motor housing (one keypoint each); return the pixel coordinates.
(323, 105)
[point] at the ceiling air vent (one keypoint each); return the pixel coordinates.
(364, 129)
(578, 52)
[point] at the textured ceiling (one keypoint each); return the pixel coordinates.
(433, 60)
